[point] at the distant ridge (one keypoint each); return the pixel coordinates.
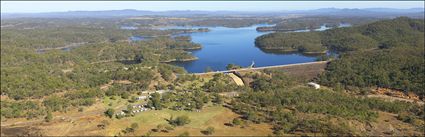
(375, 12)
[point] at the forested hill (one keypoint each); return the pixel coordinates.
(381, 34)
(401, 31)
(387, 53)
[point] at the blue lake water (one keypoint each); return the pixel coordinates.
(222, 46)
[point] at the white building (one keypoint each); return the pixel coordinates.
(141, 97)
(314, 85)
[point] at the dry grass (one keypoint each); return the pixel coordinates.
(85, 123)
(210, 117)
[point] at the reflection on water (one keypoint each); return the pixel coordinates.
(222, 46)
(281, 52)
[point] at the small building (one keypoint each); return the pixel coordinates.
(141, 97)
(121, 113)
(145, 92)
(314, 85)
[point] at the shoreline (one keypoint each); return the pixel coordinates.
(274, 50)
(192, 48)
(180, 60)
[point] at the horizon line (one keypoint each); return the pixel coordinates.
(209, 10)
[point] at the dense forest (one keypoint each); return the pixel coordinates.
(393, 58)
(289, 42)
(83, 62)
(381, 34)
(398, 68)
(315, 22)
(387, 53)
(278, 99)
(47, 69)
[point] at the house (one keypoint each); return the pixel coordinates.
(145, 92)
(141, 97)
(314, 85)
(143, 109)
(120, 113)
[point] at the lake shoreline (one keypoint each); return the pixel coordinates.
(223, 45)
(275, 50)
(180, 60)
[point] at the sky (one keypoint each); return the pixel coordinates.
(61, 6)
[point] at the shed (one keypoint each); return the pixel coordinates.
(141, 97)
(314, 85)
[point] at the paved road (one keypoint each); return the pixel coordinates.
(259, 68)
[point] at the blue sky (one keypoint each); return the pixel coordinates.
(57, 6)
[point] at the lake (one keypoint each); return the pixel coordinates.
(222, 46)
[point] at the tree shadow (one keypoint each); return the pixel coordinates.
(204, 132)
(228, 124)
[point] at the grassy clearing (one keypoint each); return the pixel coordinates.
(116, 103)
(196, 83)
(86, 122)
(215, 116)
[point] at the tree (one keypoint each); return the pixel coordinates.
(159, 127)
(132, 99)
(180, 121)
(168, 128)
(125, 95)
(209, 131)
(56, 103)
(209, 69)
(217, 99)
(128, 130)
(49, 116)
(103, 124)
(134, 126)
(205, 99)
(184, 134)
(130, 108)
(110, 112)
(232, 66)
(156, 101)
(199, 103)
(236, 121)
(166, 74)
(148, 134)
(261, 84)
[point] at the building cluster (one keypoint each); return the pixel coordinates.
(136, 109)
(140, 108)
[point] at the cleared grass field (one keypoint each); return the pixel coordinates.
(85, 123)
(215, 116)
